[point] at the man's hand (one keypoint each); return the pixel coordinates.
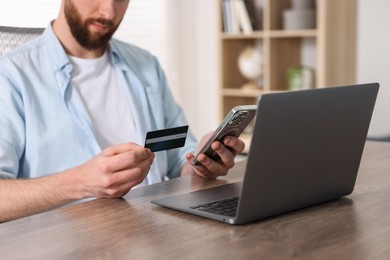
(112, 173)
(116, 170)
(227, 151)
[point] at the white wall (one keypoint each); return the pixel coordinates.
(373, 53)
(196, 73)
(27, 13)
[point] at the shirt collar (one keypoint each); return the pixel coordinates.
(59, 58)
(116, 56)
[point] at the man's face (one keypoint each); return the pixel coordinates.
(93, 23)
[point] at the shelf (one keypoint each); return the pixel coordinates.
(292, 33)
(242, 36)
(328, 49)
(241, 92)
(246, 93)
(270, 34)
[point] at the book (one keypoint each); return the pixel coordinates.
(235, 23)
(226, 19)
(235, 17)
(254, 9)
(242, 15)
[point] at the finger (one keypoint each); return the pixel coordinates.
(122, 189)
(199, 169)
(235, 145)
(134, 173)
(120, 148)
(210, 168)
(121, 182)
(225, 154)
(128, 159)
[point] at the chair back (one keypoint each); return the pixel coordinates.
(11, 37)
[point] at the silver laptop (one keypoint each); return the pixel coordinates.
(306, 149)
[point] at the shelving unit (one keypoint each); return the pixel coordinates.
(331, 48)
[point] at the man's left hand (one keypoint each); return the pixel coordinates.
(227, 152)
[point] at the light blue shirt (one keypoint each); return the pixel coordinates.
(44, 126)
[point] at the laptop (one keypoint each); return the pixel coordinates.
(305, 150)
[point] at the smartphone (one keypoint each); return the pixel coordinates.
(233, 125)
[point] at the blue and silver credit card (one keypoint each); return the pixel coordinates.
(165, 139)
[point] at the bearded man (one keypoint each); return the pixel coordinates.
(75, 105)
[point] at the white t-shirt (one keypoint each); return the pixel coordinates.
(105, 97)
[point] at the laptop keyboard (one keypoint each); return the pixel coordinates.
(226, 207)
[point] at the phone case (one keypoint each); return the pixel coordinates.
(233, 125)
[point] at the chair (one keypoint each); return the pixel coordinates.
(11, 37)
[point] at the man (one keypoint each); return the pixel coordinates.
(71, 100)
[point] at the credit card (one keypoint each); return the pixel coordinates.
(165, 139)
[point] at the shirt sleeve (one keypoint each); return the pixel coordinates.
(12, 127)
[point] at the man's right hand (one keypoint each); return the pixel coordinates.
(114, 171)
(110, 174)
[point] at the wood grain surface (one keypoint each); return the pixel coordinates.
(353, 227)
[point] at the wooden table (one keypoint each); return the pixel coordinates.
(354, 227)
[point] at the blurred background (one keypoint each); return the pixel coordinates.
(185, 36)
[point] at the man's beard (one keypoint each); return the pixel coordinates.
(81, 33)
